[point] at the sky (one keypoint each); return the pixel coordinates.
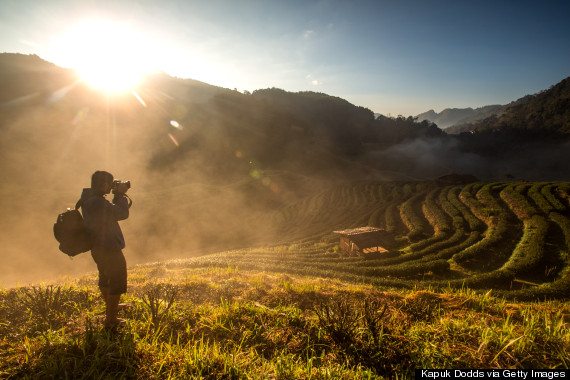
(393, 57)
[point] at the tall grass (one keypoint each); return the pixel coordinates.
(449, 297)
(278, 326)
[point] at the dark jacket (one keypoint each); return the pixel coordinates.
(101, 219)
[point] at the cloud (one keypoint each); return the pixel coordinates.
(308, 34)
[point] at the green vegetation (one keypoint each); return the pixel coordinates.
(494, 236)
(413, 218)
(228, 323)
(478, 277)
(529, 251)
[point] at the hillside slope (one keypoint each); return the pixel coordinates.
(231, 323)
(511, 237)
(545, 113)
(206, 163)
(450, 117)
(453, 293)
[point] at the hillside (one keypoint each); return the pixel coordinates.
(208, 164)
(453, 293)
(29, 78)
(510, 237)
(451, 117)
(234, 267)
(545, 113)
(233, 323)
(214, 156)
(548, 110)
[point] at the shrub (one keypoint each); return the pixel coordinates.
(413, 221)
(339, 319)
(517, 203)
(535, 193)
(47, 305)
(478, 209)
(159, 299)
(546, 191)
(530, 249)
(474, 223)
(434, 214)
(391, 218)
(493, 236)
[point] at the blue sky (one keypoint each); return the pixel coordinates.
(394, 57)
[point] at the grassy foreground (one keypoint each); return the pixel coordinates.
(227, 323)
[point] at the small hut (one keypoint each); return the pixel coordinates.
(365, 240)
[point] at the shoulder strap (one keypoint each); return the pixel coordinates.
(130, 200)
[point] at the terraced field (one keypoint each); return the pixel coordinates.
(511, 237)
(451, 293)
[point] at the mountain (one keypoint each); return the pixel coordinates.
(544, 113)
(24, 77)
(452, 116)
(207, 163)
(547, 112)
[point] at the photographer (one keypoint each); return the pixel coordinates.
(101, 221)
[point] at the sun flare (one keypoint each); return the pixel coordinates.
(108, 55)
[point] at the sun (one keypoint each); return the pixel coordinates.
(108, 55)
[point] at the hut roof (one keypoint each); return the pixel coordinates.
(366, 237)
(358, 231)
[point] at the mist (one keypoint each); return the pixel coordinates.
(210, 168)
(184, 203)
(429, 158)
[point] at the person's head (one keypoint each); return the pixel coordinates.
(102, 180)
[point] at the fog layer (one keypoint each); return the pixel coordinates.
(209, 167)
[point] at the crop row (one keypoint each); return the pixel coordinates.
(471, 219)
(490, 234)
(530, 249)
(411, 218)
(517, 202)
(436, 222)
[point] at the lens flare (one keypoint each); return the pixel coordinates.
(255, 174)
(141, 101)
(174, 140)
(175, 124)
(266, 181)
(108, 55)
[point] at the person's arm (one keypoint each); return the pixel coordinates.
(119, 209)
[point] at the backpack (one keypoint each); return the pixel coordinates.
(69, 230)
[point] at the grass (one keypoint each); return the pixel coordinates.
(460, 291)
(229, 323)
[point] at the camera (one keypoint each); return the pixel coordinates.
(118, 182)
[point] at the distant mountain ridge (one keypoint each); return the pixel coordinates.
(547, 111)
(453, 116)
